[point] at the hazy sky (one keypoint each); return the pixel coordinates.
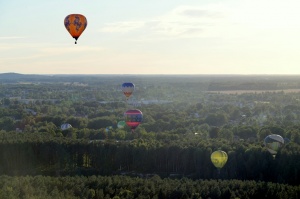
(151, 37)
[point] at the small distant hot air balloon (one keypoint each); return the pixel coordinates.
(107, 129)
(127, 89)
(65, 126)
(75, 24)
(133, 118)
(219, 159)
(121, 124)
(273, 143)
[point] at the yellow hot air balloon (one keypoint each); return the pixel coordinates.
(219, 158)
(75, 24)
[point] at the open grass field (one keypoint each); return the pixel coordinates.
(238, 92)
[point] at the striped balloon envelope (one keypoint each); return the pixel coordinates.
(133, 118)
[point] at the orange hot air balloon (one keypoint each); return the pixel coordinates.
(75, 24)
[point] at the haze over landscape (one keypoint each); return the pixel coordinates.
(181, 99)
(157, 37)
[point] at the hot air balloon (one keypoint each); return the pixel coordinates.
(273, 143)
(121, 124)
(107, 129)
(65, 126)
(133, 118)
(219, 159)
(127, 89)
(75, 24)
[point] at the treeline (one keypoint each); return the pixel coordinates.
(118, 187)
(141, 157)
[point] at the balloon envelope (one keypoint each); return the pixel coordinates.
(133, 118)
(75, 24)
(107, 129)
(121, 124)
(273, 143)
(65, 126)
(219, 158)
(128, 88)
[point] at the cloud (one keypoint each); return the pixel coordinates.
(122, 27)
(201, 13)
(183, 21)
(8, 38)
(237, 22)
(62, 50)
(29, 52)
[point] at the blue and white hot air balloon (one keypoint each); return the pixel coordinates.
(127, 89)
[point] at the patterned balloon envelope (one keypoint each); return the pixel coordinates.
(75, 24)
(133, 118)
(128, 89)
(219, 158)
(121, 124)
(273, 143)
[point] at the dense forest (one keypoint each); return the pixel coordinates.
(186, 118)
(99, 187)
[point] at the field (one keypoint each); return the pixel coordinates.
(239, 92)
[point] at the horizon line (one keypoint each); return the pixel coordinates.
(161, 74)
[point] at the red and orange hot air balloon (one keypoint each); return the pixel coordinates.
(75, 24)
